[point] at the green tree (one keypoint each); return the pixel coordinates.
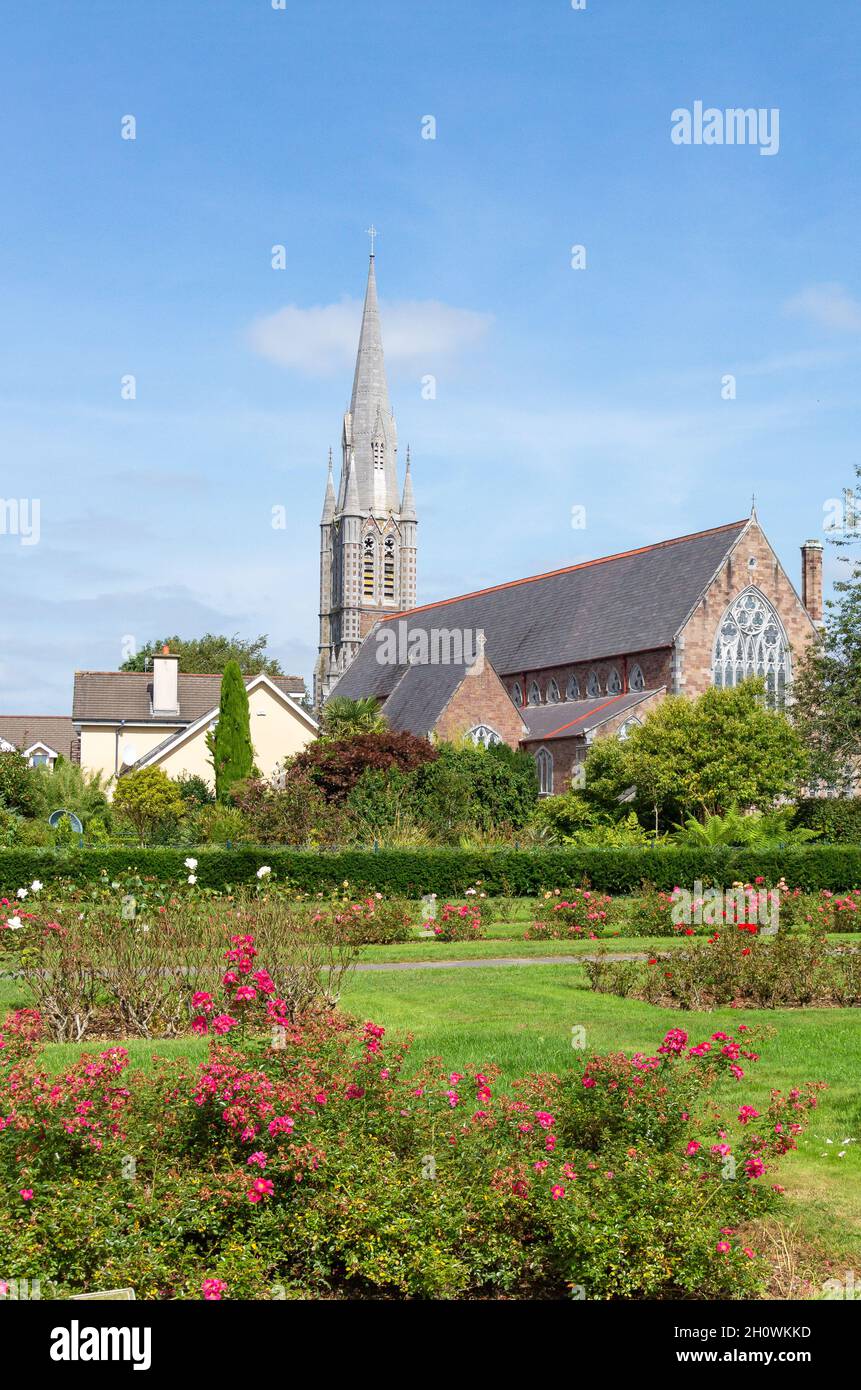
(342, 717)
(210, 654)
(827, 688)
(229, 743)
(149, 800)
(17, 784)
(700, 757)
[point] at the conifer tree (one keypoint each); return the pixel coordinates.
(229, 743)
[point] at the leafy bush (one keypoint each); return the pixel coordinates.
(149, 801)
(316, 1158)
(755, 830)
(17, 784)
(335, 765)
(837, 819)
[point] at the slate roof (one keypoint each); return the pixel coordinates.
(571, 718)
(56, 730)
(632, 602)
(115, 695)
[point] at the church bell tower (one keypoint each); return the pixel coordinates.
(367, 535)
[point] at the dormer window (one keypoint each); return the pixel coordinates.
(378, 451)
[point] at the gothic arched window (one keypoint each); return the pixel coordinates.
(553, 695)
(368, 567)
(517, 694)
(614, 682)
(636, 679)
(484, 735)
(572, 689)
(593, 685)
(544, 761)
(389, 568)
(535, 693)
(751, 641)
(628, 726)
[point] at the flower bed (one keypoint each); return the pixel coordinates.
(322, 1160)
(738, 966)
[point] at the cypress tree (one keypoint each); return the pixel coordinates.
(230, 742)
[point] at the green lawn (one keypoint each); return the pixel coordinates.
(506, 939)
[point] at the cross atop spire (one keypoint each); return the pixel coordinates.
(372, 233)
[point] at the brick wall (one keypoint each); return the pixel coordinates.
(655, 665)
(481, 698)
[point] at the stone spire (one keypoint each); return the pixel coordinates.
(370, 437)
(329, 499)
(351, 505)
(408, 501)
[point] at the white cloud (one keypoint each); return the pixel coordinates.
(829, 305)
(322, 340)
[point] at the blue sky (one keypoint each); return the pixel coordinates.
(556, 387)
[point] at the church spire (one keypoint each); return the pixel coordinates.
(370, 436)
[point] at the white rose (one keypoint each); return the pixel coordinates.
(35, 886)
(191, 864)
(15, 923)
(263, 871)
(22, 893)
(192, 878)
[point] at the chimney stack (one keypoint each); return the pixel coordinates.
(165, 684)
(811, 579)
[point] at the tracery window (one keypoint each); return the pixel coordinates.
(517, 694)
(628, 727)
(636, 679)
(572, 689)
(544, 761)
(751, 641)
(593, 685)
(614, 682)
(368, 566)
(535, 693)
(484, 735)
(553, 695)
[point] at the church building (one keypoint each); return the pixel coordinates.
(550, 662)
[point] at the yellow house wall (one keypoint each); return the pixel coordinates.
(276, 733)
(99, 745)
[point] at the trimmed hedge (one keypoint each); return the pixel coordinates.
(449, 872)
(838, 818)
